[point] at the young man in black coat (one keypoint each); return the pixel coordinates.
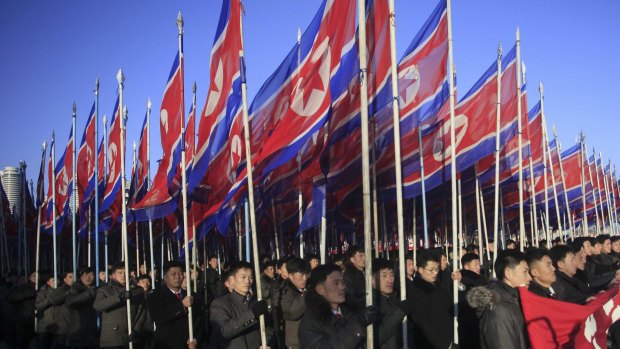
(501, 321)
(23, 298)
(354, 276)
(567, 287)
(289, 300)
(83, 331)
(235, 316)
(168, 307)
(392, 311)
(542, 272)
(328, 321)
(469, 333)
(432, 310)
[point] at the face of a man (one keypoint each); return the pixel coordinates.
(119, 276)
(358, 260)
(213, 263)
(444, 262)
(543, 271)
(145, 284)
(333, 289)
(518, 276)
(270, 271)
(580, 260)
(68, 280)
(87, 279)
(587, 248)
(606, 246)
(33, 277)
(429, 272)
(242, 281)
(615, 246)
(314, 263)
(597, 248)
(386, 281)
(568, 265)
(102, 276)
(410, 267)
(299, 279)
(173, 278)
(474, 266)
(283, 272)
(50, 282)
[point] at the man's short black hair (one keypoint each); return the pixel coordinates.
(172, 264)
(615, 238)
(268, 264)
(236, 266)
(320, 274)
(143, 277)
(85, 270)
(338, 258)
(282, 261)
(117, 266)
(558, 253)
(309, 257)
(353, 250)
(381, 264)
(469, 257)
(297, 265)
(602, 238)
(211, 256)
(510, 242)
(425, 256)
(593, 241)
(508, 259)
(536, 255)
(409, 256)
(471, 248)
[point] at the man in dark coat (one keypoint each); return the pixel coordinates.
(469, 332)
(213, 278)
(83, 331)
(392, 311)
(23, 298)
(289, 300)
(46, 326)
(62, 315)
(354, 277)
(431, 310)
(542, 272)
(328, 322)
(111, 300)
(501, 321)
(567, 287)
(235, 316)
(168, 307)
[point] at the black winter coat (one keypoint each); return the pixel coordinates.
(501, 321)
(431, 315)
(539, 289)
(570, 289)
(83, 330)
(321, 329)
(290, 303)
(356, 286)
(388, 329)
(233, 323)
(114, 330)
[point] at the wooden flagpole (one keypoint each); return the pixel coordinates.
(520, 150)
(497, 154)
(74, 207)
(584, 222)
(559, 152)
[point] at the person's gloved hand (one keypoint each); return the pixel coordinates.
(371, 314)
(123, 296)
(259, 308)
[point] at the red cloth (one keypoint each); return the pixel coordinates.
(555, 324)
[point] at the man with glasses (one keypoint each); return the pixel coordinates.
(431, 307)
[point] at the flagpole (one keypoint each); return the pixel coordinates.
(460, 222)
(250, 183)
(74, 194)
(134, 179)
(484, 225)
(275, 227)
(123, 115)
(184, 179)
(614, 186)
(194, 247)
(373, 171)
(149, 184)
(299, 194)
(598, 185)
(535, 236)
(361, 15)
(611, 202)
(568, 214)
(323, 242)
(497, 154)
(453, 169)
(544, 130)
(402, 247)
(611, 227)
(478, 222)
(584, 223)
(23, 203)
(53, 184)
(38, 247)
(550, 160)
(598, 220)
(96, 178)
(520, 151)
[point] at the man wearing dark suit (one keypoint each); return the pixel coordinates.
(168, 307)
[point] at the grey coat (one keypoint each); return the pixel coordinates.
(114, 330)
(62, 313)
(45, 311)
(290, 301)
(83, 330)
(233, 323)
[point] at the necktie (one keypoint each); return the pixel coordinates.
(178, 294)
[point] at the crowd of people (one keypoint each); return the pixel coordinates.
(306, 304)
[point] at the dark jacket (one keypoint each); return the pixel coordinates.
(388, 328)
(62, 314)
(213, 278)
(171, 318)
(539, 289)
(290, 303)
(319, 328)
(431, 315)
(23, 298)
(356, 286)
(233, 323)
(267, 285)
(45, 311)
(469, 331)
(570, 289)
(114, 330)
(598, 274)
(83, 330)
(501, 321)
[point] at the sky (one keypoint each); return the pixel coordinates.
(53, 51)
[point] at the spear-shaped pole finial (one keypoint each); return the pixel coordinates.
(194, 87)
(180, 23)
(74, 108)
(555, 132)
(120, 77)
(125, 111)
(540, 88)
(499, 50)
(44, 145)
(148, 103)
(97, 86)
(105, 119)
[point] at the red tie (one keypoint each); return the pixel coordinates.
(178, 294)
